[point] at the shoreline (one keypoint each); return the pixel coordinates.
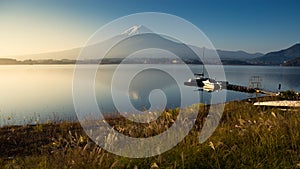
(34, 64)
(115, 116)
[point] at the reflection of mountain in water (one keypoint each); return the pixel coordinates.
(140, 89)
(149, 80)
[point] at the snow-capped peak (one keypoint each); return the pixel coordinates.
(137, 29)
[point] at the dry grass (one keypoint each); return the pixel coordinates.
(247, 137)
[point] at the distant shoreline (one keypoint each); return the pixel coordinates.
(112, 61)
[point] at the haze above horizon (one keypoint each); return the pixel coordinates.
(29, 27)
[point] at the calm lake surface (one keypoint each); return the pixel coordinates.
(37, 93)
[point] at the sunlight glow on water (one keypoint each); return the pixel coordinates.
(31, 93)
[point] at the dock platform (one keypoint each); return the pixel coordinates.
(248, 89)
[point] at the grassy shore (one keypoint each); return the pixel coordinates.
(247, 137)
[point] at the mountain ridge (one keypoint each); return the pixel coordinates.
(279, 57)
(238, 57)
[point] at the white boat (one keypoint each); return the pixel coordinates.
(211, 85)
(205, 83)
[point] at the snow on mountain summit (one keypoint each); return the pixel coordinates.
(137, 29)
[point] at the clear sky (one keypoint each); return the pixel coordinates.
(34, 26)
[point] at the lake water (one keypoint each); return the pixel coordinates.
(37, 93)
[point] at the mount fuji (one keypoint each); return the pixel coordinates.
(137, 29)
(134, 38)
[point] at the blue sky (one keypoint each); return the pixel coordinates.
(34, 26)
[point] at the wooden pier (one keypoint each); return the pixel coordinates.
(248, 89)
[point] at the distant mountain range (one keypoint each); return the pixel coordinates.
(293, 62)
(237, 55)
(286, 57)
(144, 38)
